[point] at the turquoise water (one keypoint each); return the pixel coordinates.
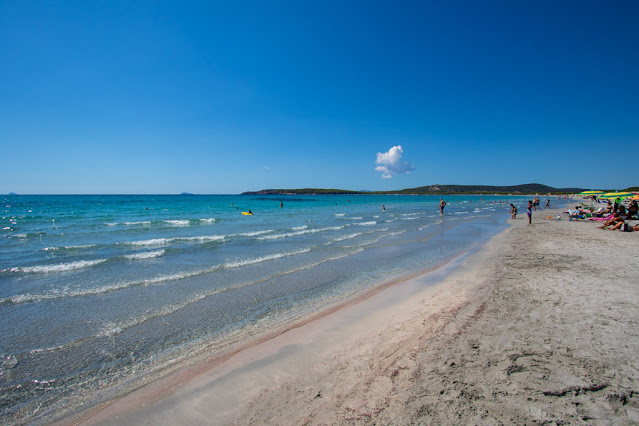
(99, 294)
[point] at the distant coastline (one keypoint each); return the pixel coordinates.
(531, 188)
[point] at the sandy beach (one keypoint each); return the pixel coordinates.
(538, 326)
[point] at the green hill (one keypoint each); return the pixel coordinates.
(530, 188)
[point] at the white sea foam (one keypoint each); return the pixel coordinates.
(183, 222)
(77, 247)
(299, 228)
(302, 232)
(256, 233)
(244, 262)
(209, 220)
(344, 237)
(145, 255)
(165, 241)
(144, 222)
(57, 267)
(151, 242)
(372, 222)
(28, 297)
(201, 239)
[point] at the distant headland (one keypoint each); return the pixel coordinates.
(530, 188)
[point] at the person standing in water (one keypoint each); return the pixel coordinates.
(442, 204)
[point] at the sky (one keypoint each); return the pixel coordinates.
(221, 97)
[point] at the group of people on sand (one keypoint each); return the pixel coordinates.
(533, 205)
(612, 217)
(536, 204)
(617, 216)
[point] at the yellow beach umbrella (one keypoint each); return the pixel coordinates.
(591, 193)
(621, 195)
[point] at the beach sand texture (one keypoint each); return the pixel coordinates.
(539, 326)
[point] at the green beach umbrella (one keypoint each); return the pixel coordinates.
(621, 195)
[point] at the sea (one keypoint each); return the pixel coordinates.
(101, 294)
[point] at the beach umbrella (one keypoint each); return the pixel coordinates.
(591, 193)
(621, 195)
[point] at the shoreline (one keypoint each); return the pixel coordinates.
(541, 329)
(509, 336)
(401, 288)
(165, 387)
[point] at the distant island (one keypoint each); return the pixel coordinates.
(530, 188)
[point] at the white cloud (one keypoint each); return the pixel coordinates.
(390, 163)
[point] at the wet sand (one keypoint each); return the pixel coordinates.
(540, 325)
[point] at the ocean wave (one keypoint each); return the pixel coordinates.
(29, 297)
(253, 261)
(201, 239)
(58, 267)
(166, 241)
(430, 224)
(151, 242)
(178, 222)
(256, 233)
(145, 255)
(78, 247)
(169, 222)
(344, 237)
(370, 223)
(302, 232)
(375, 240)
(340, 214)
(110, 329)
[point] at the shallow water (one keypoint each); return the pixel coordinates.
(99, 294)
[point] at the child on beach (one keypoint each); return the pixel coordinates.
(513, 211)
(529, 212)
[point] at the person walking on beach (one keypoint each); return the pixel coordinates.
(547, 206)
(529, 212)
(442, 204)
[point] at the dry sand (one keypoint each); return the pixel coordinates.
(539, 326)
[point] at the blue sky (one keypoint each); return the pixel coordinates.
(224, 97)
